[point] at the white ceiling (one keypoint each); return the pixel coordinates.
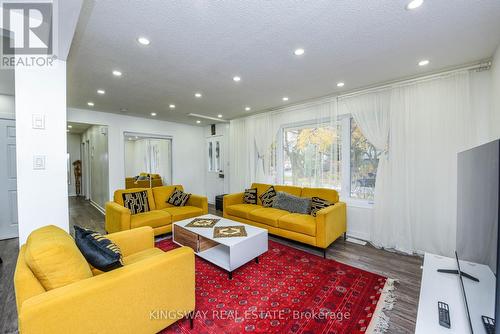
(200, 45)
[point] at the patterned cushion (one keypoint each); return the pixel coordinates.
(292, 203)
(250, 196)
(136, 202)
(178, 198)
(318, 204)
(98, 250)
(267, 197)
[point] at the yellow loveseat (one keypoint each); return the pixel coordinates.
(124, 300)
(131, 182)
(161, 214)
(320, 231)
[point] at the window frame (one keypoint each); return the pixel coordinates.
(345, 124)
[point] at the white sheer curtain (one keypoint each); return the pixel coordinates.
(429, 123)
(252, 138)
(372, 114)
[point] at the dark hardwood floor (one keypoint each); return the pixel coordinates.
(406, 269)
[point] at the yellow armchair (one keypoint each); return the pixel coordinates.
(153, 290)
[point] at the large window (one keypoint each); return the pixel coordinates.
(322, 155)
(311, 156)
(363, 164)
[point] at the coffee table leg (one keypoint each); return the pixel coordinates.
(230, 274)
(257, 259)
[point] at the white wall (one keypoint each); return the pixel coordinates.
(495, 90)
(74, 141)
(187, 146)
(42, 194)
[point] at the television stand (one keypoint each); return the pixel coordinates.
(455, 272)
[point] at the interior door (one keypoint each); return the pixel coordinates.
(8, 180)
(215, 170)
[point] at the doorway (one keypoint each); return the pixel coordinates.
(8, 180)
(88, 178)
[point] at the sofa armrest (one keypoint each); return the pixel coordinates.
(143, 297)
(232, 199)
(134, 240)
(199, 202)
(117, 218)
(330, 224)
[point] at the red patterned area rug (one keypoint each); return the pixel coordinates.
(288, 291)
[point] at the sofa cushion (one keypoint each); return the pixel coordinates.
(261, 188)
(98, 250)
(318, 204)
(241, 210)
(154, 219)
(54, 259)
(250, 196)
(178, 198)
(267, 198)
(292, 204)
(162, 194)
(297, 222)
(118, 196)
(292, 190)
(142, 255)
(133, 258)
(136, 202)
(183, 212)
(268, 216)
(330, 195)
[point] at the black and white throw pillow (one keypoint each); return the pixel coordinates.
(136, 202)
(250, 196)
(98, 250)
(178, 198)
(267, 197)
(318, 204)
(292, 204)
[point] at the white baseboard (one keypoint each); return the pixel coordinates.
(356, 241)
(97, 206)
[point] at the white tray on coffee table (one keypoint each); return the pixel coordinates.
(227, 253)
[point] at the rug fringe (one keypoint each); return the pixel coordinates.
(380, 320)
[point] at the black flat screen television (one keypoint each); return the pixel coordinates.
(478, 212)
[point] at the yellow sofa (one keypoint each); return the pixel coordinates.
(131, 182)
(124, 300)
(161, 214)
(320, 231)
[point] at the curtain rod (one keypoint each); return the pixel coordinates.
(478, 66)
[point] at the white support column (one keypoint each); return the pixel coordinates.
(42, 190)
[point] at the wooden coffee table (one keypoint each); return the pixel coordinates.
(226, 253)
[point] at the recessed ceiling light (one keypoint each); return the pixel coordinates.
(236, 79)
(424, 62)
(70, 126)
(299, 52)
(171, 106)
(414, 4)
(143, 40)
(90, 104)
(101, 91)
(117, 73)
(198, 122)
(129, 138)
(67, 130)
(285, 98)
(248, 108)
(219, 115)
(198, 95)
(123, 109)
(153, 114)
(340, 84)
